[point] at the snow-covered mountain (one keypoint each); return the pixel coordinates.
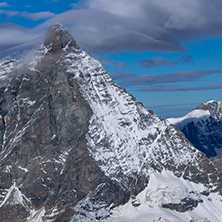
(77, 147)
(203, 127)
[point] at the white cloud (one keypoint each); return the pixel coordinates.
(4, 4)
(118, 25)
(125, 8)
(32, 16)
(155, 79)
(156, 25)
(16, 40)
(9, 13)
(37, 16)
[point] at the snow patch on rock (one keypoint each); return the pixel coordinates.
(14, 197)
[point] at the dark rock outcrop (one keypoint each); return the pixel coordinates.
(185, 205)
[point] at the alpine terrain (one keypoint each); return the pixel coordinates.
(77, 147)
(203, 127)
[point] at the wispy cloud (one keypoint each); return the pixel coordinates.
(37, 16)
(112, 63)
(167, 82)
(4, 4)
(15, 40)
(9, 13)
(171, 88)
(159, 61)
(155, 62)
(121, 75)
(122, 27)
(154, 79)
(32, 16)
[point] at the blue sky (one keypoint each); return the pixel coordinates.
(166, 53)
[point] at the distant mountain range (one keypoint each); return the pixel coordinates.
(203, 127)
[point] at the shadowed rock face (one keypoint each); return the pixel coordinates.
(205, 132)
(58, 161)
(206, 136)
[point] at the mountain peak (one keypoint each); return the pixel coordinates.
(58, 37)
(202, 127)
(214, 107)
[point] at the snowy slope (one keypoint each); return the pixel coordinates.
(165, 188)
(193, 116)
(125, 138)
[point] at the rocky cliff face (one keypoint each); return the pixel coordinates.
(75, 146)
(203, 127)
